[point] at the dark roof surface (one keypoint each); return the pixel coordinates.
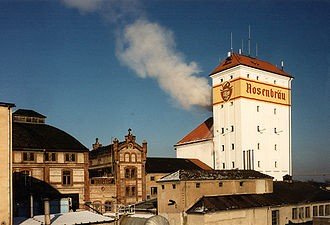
(100, 151)
(7, 104)
(284, 194)
(185, 175)
(170, 165)
(43, 136)
(28, 112)
(204, 131)
(236, 59)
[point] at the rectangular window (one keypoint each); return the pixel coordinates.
(241, 183)
(258, 108)
(258, 128)
(321, 210)
(223, 165)
(258, 146)
(50, 156)
(327, 210)
(163, 187)
(221, 80)
(275, 147)
(315, 211)
(232, 128)
(259, 164)
(232, 146)
(133, 191)
(221, 106)
(66, 177)
(152, 178)
(301, 213)
(233, 164)
(222, 130)
(294, 213)
(28, 156)
(223, 147)
(220, 184)
(275, 111)
(70, 157)
(153, 190)
(275, 217)
(275, 164)
(198, 185)
(307, 212)
(173, 186)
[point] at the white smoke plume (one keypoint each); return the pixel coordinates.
(149, 50)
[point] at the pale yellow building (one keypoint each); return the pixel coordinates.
(47, 162)
(6, 161)
(230, 197)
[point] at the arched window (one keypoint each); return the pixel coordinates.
(126, 157)
(107, 206)
(133, 157)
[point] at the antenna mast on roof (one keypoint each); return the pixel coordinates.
(231, 42)
(249, 41)
(242, 46)
(256, 49)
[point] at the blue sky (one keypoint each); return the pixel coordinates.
(63, 62)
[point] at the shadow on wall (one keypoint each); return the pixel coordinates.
(29, 191)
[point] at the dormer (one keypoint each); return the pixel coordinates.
(28, 116)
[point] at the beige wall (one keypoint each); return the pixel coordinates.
(254, 216)
(5, 169)
(101, 193)
(151, 181)
(51, 172)
(186, 193)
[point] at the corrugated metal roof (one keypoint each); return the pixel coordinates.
(185, 175)
(284, 194)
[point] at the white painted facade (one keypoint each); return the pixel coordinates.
(202, 150)
(253, 133)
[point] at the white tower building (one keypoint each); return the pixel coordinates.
(252, 116)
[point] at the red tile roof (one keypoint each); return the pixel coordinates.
(203, 132)
(237, 59)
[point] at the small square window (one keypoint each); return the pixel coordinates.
(220, 184)
(274, 81)
(173, 186)
(221, 80)
(152, 178)
(221, 106)
(198, 185)
(241, 183)
(163, 187)
(231, 103)
(231, 77)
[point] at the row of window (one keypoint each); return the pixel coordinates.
(304, 212)
(247, 76)
(67, 177)
(130, 157)
(263, 129)
(48, 157)
(258, 164)
(274, 111)
(198, 185)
